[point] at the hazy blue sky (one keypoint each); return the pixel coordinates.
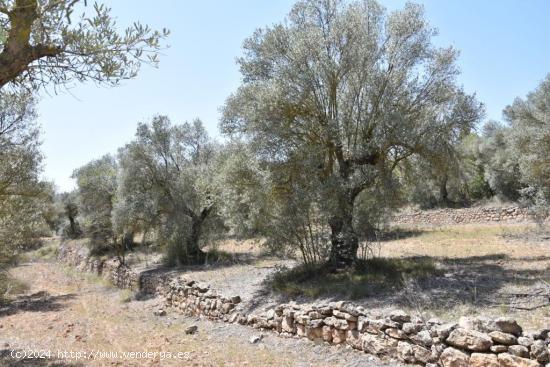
(504, 47)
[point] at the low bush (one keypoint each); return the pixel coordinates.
(365, 278)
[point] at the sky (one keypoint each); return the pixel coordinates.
(504, 49)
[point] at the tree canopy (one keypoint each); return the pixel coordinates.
(97, 184)
(21, 190)
(345, 112)
(55, 42)
(529, 121)
(170, 167)
(354, 89)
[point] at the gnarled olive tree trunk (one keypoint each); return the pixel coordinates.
(443, 193)
(344, 239)
(192, 253)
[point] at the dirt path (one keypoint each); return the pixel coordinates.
(65, 312)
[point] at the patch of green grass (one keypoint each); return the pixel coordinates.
(472, 231)
(126, 295)
(20, 258)
(86, 276)
(10, 286)
(365, 278)
(504, 309)
(219, 256)
(48, 252)
(397, 233)
(96, 279)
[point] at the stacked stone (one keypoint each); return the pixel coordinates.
(77, 256)
(470, 342)
(121, 275)
(191, 298)
(395, 335)
(153, 283)
(489, 342)
(464, 215)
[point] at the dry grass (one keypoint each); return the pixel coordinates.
(484, 267)
(251, 246)
(48, 250)
(10, 286)
(473, 269)
(366, 278)
(464, 241)
(446, 272)
(468, 270)
(77, 314)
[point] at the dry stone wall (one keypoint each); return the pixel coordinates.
(464, 216)
(472, 341)
(78, 256)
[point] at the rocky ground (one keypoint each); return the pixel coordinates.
(243, 279)
(493, 270)
(64, 312)
(483, 269)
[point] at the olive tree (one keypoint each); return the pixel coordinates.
(453, 177)
(356, 89)
(21, 190)
(20, 158)
(58, 41)
(170, 167)
(21, 224)
(96, 189)
(500, 161)
(135, 209)
(473, 170)
(72, 229)
(244, 190)
(529, 136)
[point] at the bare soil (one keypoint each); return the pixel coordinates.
(68, 311)
(489, 269)
(492, 270)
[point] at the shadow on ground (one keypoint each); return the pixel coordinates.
(539, 234)
(219, 260)
(421, 283)
(486, 281)
(365, 279)
(398, 234)
(36, 302)
(240, 274)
